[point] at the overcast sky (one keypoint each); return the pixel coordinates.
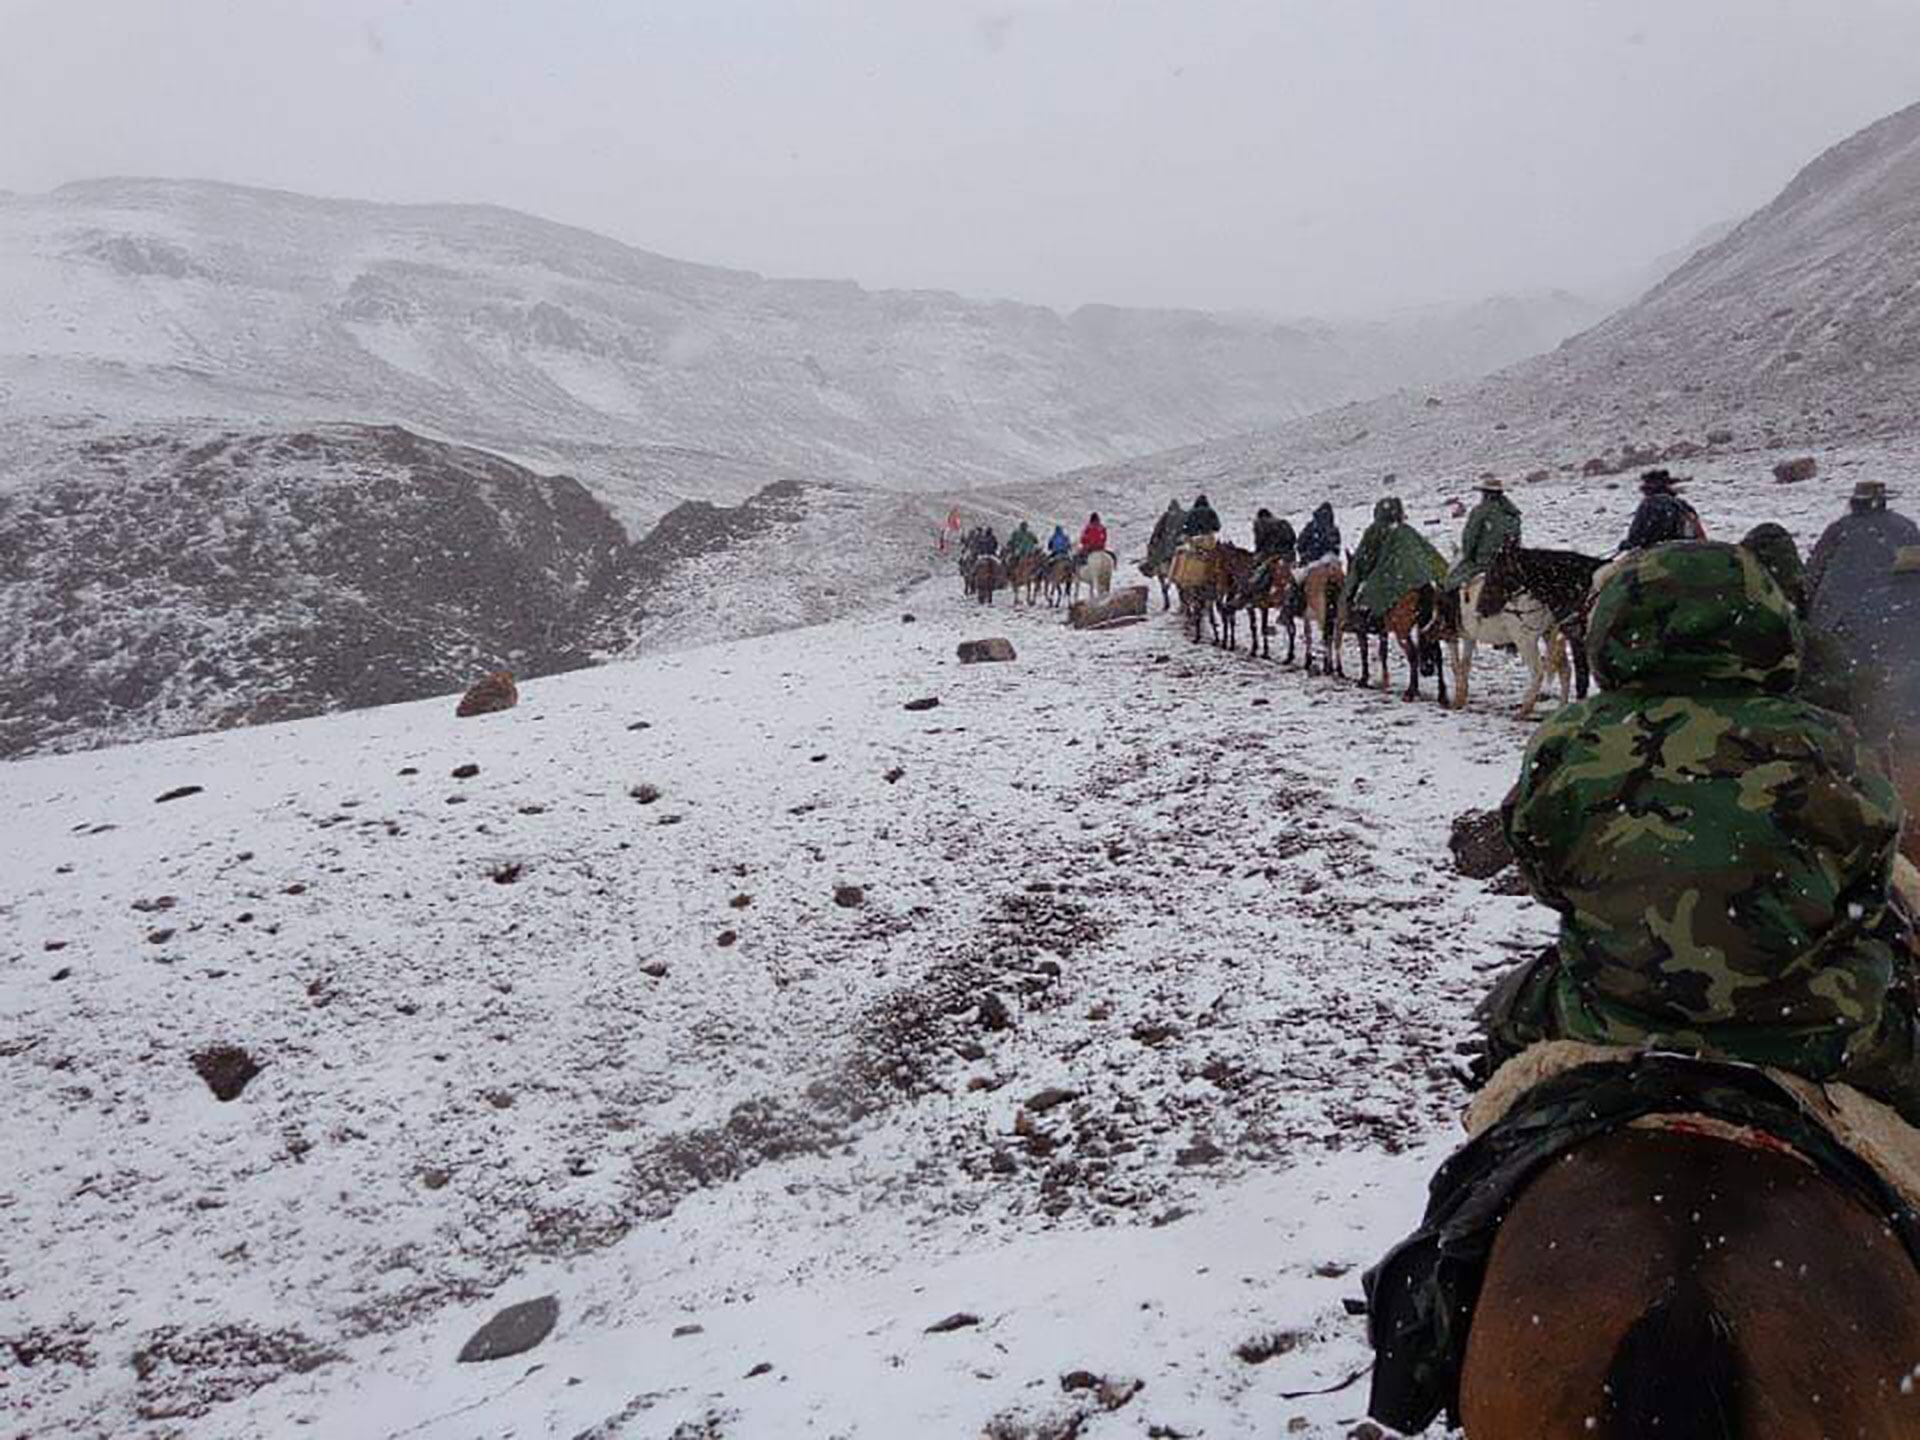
(1293, 156)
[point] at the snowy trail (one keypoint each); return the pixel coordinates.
(1148, 998)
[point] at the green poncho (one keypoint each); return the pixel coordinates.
(1392, 560)
(1494, 523)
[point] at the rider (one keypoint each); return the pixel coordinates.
(1720, 851)
(1663, 516)
(1493, 525)
(1274, 544)
(989, 542)
(1320, 539)
(1202, 521)
(1022, 543)
(1058, 544)
(1093, 536)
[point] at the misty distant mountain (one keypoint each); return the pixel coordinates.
(1798, 328)
(653, 380)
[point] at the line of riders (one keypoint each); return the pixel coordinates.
(1696, 1139)
(1717, 1060)
(1023, 565)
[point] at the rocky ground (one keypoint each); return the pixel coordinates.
(1105, 1009)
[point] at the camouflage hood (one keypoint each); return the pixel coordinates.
(1719, 850)
(1694, 617)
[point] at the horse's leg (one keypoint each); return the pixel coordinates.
(1536, 676)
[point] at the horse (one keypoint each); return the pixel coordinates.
(1194, 575)
(1315, 602)
(1093, 569)
(988, 575)
(1026, 573)
(1413, 620)
(1525, 623)
(1057, 579)
(1561, 580)
(1677, 1284)
(1278, 595)
(1232, 567)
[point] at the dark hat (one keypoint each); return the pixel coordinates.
(1492, 485)
(1661, 480)
(1871, 490)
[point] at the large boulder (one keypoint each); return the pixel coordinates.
(975, 652)
(496, 692)
(1122, 607)
(513, 1331)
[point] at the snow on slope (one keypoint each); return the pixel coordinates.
(530, 1032)
(654, 380)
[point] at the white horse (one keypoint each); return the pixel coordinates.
(1095, 571)
(1525, 624)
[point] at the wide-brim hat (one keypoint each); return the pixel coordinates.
(1492, 485)
(1906, 560)
(1871, 490)
(1662, 480)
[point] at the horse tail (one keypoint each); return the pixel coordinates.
(1676, 1372)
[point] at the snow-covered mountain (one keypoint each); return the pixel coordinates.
(178, 577)
(653, 380)
(1798, 330)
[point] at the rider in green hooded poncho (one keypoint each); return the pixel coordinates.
(1393, 559)
(1493, 525)
(1720, 851)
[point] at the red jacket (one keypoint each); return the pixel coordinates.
(1094, 537)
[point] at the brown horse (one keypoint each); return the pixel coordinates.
(1316, 603)
(1057, 579)
(1232, 567)
(1417, 621)
(1025, 574)
(1683, 1286)
(1277, 595)
(986, 576)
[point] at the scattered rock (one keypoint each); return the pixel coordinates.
(849, 897)
(1201, 1152)
(1051, 1098)
(435, 1179)
(62, 973)
(994, 1014)
(1719, 437)
(959, 1320)
(179, 792)
(1510, 882)
(1792, 472)
(894, 776)
(741, 901)
(1479, 844)
(53, 945)
(508, 873)
(641, 725)
(764, 1367)
(645, 794)
(726, 938)
(928, 702)
(656, 968)
(500, 1099)
(409, 769)
(465, 772)
(1262, 1348)
(680, 1332)
(1367, 1430)
(908, 618)
(156, 904)
(995, 648)
(495, 693)
(1079, 1380)
(514, 1331)
(160, 937)
(226, 1069)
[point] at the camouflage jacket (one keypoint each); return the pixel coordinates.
(1719, 850)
